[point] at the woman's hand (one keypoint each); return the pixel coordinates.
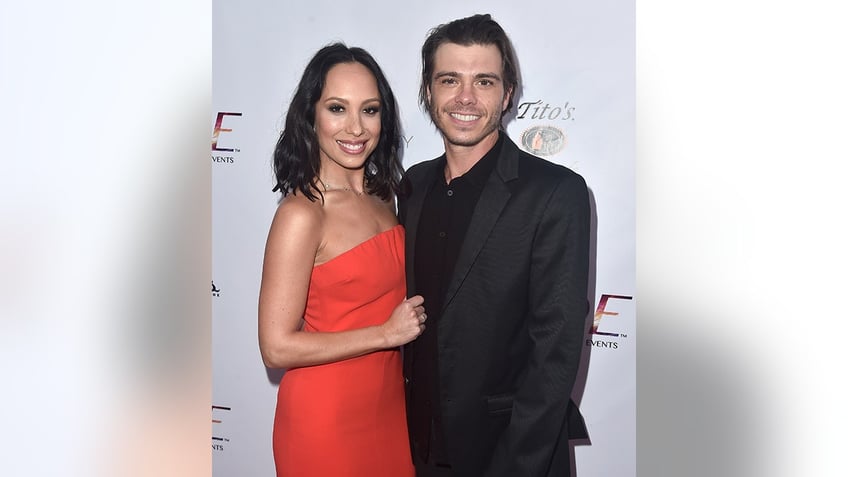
(405, 323)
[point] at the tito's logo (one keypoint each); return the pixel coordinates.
(543, 140)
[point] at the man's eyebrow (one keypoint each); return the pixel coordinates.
(495, 76)
(487, 76)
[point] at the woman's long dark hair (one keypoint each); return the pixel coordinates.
(296, 156)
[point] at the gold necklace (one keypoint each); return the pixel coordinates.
(328, 187)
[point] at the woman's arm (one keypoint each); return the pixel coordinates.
(293, 242)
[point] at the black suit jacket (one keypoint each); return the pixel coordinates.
(515, 313)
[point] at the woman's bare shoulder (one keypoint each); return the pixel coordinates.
(296, 214)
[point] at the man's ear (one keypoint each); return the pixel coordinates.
(507, 97)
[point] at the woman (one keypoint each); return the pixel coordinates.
(332, 307)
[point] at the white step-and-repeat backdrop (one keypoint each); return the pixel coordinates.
(577, 62)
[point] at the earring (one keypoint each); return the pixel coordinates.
(371, 168)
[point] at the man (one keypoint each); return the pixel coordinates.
(497, 242)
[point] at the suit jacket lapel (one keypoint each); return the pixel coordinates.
(493, 199)
(413, 216)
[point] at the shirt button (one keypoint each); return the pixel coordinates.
(442, 235)
(450, 192)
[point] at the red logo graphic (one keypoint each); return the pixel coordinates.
(219, 129)
(601, 312)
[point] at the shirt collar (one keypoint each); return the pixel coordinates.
(479, 172)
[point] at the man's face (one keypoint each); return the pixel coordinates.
(467, 95)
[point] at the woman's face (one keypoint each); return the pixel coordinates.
(347, 117)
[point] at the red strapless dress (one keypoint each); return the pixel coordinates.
(348, 418)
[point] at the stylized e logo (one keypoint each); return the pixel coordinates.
(602, 305)
(218, 421)
(219, 130)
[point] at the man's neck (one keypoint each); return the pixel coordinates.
(460, 159)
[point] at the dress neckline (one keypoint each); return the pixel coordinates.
(359, 245)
